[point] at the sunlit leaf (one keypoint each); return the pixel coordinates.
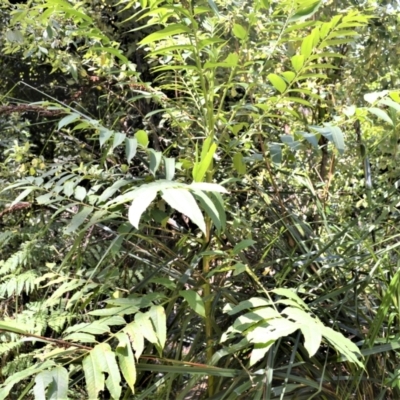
(277, 82)
(183, 201)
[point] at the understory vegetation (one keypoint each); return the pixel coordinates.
(199, 199)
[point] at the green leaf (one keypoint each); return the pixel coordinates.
(68, 120)
(343, 345)
(288, 75)
(210, 208)
(338, 139)
(307, 46)
(146, 327)
(277, 82)
(130, 148)
(56, 383)
(126, 360)
(242, 245)
(105, 135)
(140, 204)
(306, 10)
(155, 160)
(58, 388)
(239, 31)
(142, 138)
(276, 152)
(119, 138)
(297, 62)
(80, 193)
(15, 378)
(108, 364)
(78, 219)
(171, 30)
(239, 164)
(381, 114)
(159, 320)
(183, 201)
(200, 168)
(93, 376)
(194, 300)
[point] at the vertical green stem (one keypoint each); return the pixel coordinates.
(208, 311)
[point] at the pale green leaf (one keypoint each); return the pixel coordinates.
(374, 96)
(146, 327)
(194, 300)
(343, 345)
(80, 193)
(119, 138)
(58, 388)
(130, 148)
(381, 114)
(183, 201)
(93, 376)
(155, 160)
(338, 139)
(209, 207)
(277, 82)
(108, 364)
(78, 219)
(126, 360)
(68, 120)
(140, 204)
(105, 135)
(158, 318)
(137, 338)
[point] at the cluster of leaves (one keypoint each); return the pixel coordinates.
(215, 190)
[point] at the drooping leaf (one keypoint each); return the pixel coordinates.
(297, 62)
(194, 300)
(58, 388)
(158, 318)
(68, 120)
(183, 201)
(126, 360)
(140, 204)
(93, 376)
(155, 160)
(119, 138)
(108, 364)
(130, 148)
(381, 114)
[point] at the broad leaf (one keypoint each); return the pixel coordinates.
(183, 201)
(194, 300)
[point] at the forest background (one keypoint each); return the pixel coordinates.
(199, 199)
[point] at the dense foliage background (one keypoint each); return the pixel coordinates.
(199, 200)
